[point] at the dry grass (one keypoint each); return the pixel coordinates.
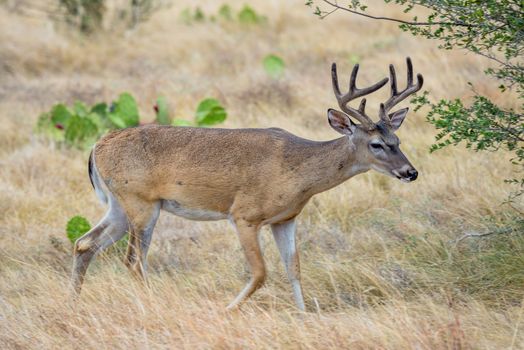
(379, 269)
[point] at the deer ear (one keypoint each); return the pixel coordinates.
(341, 122)
(398, 117)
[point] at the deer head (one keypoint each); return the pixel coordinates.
(375, 143)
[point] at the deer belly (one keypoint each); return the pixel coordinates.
(199, 214)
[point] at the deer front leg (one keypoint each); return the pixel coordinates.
(284, 234)
(248, 235)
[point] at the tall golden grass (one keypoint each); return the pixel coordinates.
(381, 264)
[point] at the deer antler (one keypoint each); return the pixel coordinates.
(353, 93)
(397, 97)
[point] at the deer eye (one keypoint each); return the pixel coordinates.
(376, 146)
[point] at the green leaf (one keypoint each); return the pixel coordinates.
(117, 121)
(216, 115)
(181, 122)
(206, 104)
(100, 116)
(81, 132)
(100, 123)
(100, 109)
(76, 227)
(274, 66)
(125, 112)
(45, 126)
(60, 115)
(210, 112)
(162, 115)
(80, 109)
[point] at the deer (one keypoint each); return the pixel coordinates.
(251, 177)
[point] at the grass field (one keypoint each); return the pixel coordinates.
(381, 262)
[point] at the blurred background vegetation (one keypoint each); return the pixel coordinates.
(89, 16)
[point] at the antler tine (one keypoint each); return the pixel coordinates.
(393, 80)
(410, 71)
(384, 116)
(353, 93)
(362, 106)
(353, 79)
(334, 80)
(410, 89)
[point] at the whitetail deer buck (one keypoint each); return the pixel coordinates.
(252, 177)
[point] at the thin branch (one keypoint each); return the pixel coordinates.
(328, 13)
(338, 7)
(491, 57)
(474, 234)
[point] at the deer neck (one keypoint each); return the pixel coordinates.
(329, 164)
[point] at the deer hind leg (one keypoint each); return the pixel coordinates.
(109, 230)
(284, 234)
(248, 235)
(142, 217)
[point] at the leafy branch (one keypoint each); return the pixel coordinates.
(355, 6)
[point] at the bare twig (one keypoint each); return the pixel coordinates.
(328, 13)
(492, 57)
(475, 234)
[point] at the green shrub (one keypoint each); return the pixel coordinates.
(188, 16)
(81, 131)
(87, 16)
(182, 122)
(124, 112)
(76, 227)
(225, 13)
(162, 111)
(246, 15)
(81, 126)
(209, 112)
(274, 66)
(141, 10)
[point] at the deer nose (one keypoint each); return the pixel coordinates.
(412, 174)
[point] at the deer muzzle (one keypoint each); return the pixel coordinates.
(406, 174)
